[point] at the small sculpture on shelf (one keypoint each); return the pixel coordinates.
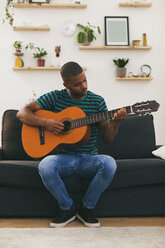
(57, 51)
(136, 42)
(144, 39)
(55, 58)
(18, 52)
(145, 72)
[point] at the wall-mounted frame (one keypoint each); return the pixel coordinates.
(116, 30)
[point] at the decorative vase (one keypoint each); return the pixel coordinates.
(121, 71)
(19, 62)
(41, 62)
(86, 42)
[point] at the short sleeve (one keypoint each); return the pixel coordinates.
(47, 101)
(102, 107)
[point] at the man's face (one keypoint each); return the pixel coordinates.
(77, 86)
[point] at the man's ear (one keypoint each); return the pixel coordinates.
(65, 85)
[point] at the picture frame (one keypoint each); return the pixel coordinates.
(116, 30)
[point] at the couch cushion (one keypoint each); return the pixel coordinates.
(135, 139)
(11, 137)
(160, 152)
(24, 174)
(137, 172)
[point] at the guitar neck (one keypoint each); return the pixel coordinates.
(92, 119)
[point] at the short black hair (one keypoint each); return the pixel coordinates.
(70, 69)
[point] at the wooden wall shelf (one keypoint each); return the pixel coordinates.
(29, 68)
(49, 68)
(134, 78)
(44, 5)
(115, 47)
(142, 5)
(31, 28)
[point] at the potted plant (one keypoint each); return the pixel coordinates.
(18, 46)
(121, 63)
(86, 36)
(40, 52)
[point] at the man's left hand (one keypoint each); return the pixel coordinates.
(120, 115)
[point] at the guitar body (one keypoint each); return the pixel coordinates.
(54, 142)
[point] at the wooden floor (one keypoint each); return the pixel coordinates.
(106, 222)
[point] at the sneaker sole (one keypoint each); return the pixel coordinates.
(62, 224)
(87, 223)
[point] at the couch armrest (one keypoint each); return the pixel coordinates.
(158, 146)
(1, 153)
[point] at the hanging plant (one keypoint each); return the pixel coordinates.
(9, 12)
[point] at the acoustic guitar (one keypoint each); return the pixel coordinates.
(39, 142)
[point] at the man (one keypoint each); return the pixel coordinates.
(82, 160)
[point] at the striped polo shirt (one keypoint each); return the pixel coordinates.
(57, 101)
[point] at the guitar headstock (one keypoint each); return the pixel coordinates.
(147, 107)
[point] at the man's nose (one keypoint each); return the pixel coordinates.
(84, 85)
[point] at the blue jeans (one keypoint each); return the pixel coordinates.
(101, 168)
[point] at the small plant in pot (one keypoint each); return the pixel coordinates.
(40, 52)
(121, 63)
(18, 46)
(87, 35)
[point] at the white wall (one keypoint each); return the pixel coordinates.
(17, 87)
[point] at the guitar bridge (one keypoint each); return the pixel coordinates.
(41, 135)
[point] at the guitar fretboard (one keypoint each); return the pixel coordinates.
(88, 120)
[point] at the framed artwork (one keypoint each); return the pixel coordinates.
(116, 30)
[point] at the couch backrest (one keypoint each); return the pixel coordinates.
(11, 136)
(135, 139)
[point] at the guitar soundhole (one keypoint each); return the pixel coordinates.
(67, 125)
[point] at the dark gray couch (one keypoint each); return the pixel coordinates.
(138, 188)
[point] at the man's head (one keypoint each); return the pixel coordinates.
(70, 69)
(74, 79)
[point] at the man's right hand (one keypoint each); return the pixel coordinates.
(26, 115)
(54, 126)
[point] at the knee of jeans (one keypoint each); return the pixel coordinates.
(110, 165)
(46, 166)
